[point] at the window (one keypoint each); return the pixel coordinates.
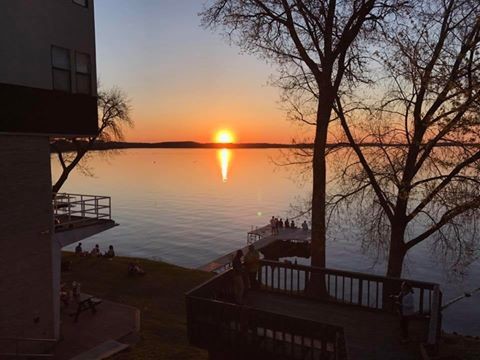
(83, 73)
(83, 3)
(61, 69)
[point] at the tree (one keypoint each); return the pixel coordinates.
(114, 113)
(318, 46)
(422, 179)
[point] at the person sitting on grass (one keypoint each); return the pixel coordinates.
(110, 253)
(135, 269)
(78, 249)
(95, 251)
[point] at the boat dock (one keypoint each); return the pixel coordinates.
(259, 237)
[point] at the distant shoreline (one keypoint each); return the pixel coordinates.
(64, 146)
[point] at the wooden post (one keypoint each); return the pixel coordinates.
(435, 313)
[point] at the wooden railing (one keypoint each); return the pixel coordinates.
(223, 327)
(71, 210)
(211, 306)
(344, 287)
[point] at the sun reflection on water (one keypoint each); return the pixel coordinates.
(224, 156)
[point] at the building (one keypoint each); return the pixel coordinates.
(47, 89)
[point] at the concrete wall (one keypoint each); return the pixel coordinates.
(29, 28)
(28, 259)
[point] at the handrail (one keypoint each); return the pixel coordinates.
(344, 287)
(76, 209)
(370, 292)
(220, 325)
(345, 272)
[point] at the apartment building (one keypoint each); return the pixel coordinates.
(47, 89)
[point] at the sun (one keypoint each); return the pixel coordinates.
(224, 137)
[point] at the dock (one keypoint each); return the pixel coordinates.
(259, 237)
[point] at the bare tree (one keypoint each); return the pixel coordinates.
(422, 180)
(114, 114)
(318, 46)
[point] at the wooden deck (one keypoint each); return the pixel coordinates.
(351, 316)
(369, 335)
(260, 238)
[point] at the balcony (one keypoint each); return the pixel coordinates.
(351, 318)
(78, 216)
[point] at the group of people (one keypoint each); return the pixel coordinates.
(278, 223)
(245, 272)
(95, 251)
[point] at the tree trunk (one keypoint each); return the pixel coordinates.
(396, 256)
(60, 181)
(318, 202)
(67, 170)
(397, 251)
(316, 285)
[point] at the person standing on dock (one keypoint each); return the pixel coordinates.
(238, 273)
(252, 265)
(272, 226)
(305, 225)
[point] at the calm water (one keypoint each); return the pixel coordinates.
(188, 207)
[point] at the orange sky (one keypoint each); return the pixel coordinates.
(185, 82)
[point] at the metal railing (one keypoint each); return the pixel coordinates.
(73, 210)
(12, 347)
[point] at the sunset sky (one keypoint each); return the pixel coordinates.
(185, 82)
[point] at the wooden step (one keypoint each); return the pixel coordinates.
(102, 351)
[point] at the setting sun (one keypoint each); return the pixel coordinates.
(224, 137)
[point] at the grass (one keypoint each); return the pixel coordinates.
(159, 295)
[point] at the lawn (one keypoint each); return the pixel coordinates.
(159, 295)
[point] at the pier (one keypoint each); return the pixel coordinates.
(259, 237)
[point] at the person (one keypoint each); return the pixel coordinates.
(64, 294)
(405, 301)
(272, 226)
(238, 284)
(252, 264)
(304, 225)
(292, 224)
(110, 253)
(280, 223)
(95, 251)
(277, 224)
(287, 224)
(135, 269)
(78, 249)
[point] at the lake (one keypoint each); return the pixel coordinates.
(189, 206)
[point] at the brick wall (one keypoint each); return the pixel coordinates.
(27, 301)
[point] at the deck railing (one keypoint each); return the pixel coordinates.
(344, 287)
(221, 326)
(72, 210)
(211, 302)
